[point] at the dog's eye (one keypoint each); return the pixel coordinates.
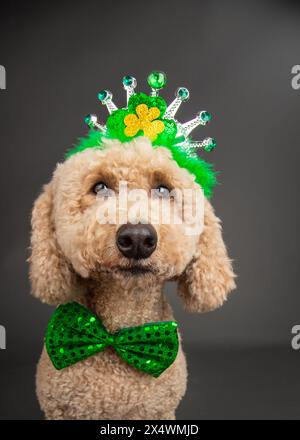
(162, 191)
(100, 188)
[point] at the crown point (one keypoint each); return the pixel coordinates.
(129, 84)
(104, 96)
(182, 93)
(204, 117)
(209, 144)
(157, 80)
(129, 81)
(91, 120)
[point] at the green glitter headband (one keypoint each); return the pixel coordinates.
(151, 117)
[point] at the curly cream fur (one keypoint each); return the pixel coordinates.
(208, 278)
(73, 257)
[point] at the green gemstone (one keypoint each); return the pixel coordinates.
(205, 116)
(90, 120)
(183, 93)
(157, 80)
(104, 96)
(211, 145)
(87, 119)
(129, 81)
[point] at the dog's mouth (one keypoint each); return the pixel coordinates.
(136, 270)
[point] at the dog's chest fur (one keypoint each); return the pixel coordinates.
(105, 387)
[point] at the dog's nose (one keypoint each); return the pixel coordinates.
(136, 241)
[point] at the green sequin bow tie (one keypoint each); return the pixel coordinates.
(74, 333)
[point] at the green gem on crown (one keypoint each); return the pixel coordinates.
(157, 80)
(210, 145)
(205, 116)
(90, 120)
(129, 81)
(104, 96)
(183, 93)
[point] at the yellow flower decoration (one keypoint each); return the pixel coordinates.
(144, 120)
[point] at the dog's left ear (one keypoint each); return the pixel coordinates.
(209, 277)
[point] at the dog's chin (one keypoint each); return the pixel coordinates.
(135, 271)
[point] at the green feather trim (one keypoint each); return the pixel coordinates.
(204, 173)
(92, 140)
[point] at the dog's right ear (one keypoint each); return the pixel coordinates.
(209, 277)
(52, 280)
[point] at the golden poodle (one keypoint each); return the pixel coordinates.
(75, 258)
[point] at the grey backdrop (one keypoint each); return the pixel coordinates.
(236, 59)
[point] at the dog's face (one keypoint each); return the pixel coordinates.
(70, 237)
(138, 186)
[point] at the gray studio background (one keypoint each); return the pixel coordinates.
(236, 59)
